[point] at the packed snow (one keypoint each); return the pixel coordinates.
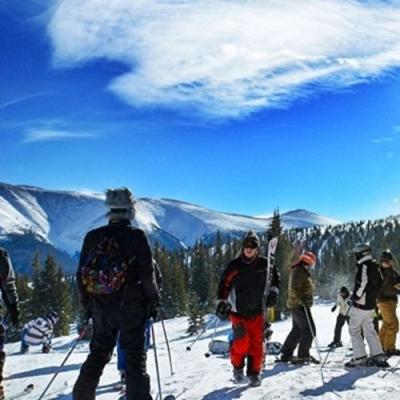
(199, 378)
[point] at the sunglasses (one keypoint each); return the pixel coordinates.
(250, 246)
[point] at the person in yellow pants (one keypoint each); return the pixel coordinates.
(387, 302)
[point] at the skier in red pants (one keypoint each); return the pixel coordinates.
(243, 298)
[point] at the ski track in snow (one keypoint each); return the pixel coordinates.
(199, 378)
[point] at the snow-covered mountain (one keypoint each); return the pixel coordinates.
(61, 218)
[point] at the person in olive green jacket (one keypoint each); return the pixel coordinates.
(387, 302)
(300, 300)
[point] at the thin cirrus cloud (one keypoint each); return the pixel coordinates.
(45, 135)
(389, 138)
(229, 58)
(22, 99)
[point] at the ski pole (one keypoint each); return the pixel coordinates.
(77, 340)
(156, 361)
(315, 341)
(208, 354)
(214, 320)
(167, 342)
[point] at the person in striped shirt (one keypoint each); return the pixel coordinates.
(38, 332)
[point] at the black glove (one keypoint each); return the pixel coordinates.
(46, 348)
(351, 301)
(87, 314)
(267, 331)
(13, 312)
(223, 310)
(154, 310)
(271, 300)
(333, 309)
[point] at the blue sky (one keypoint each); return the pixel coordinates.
(239, 106)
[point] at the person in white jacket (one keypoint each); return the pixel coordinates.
(342, 303)
(39, 332)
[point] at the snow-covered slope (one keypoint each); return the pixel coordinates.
(62, 218)
(199, 378)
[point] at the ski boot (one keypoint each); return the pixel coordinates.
(238, 375)
(378, 361)
(334, 345)
(24, 348)
(356, 362)
(255, 380)
(306, 360)
(284, 358)
(390, 353)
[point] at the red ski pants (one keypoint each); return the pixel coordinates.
(248, 341)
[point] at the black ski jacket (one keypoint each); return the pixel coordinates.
(244, 284)
(141, 287)
(7, 280)
(368, 281)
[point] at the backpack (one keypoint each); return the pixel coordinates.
(105, 270)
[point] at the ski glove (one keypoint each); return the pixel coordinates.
(267, 331)
(333, 309)
(87, 314)
(223, 310)
(46, 348)
(13, 311)
(271, 300)
(154, 310)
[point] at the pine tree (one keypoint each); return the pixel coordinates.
(51, 293)
(196, 318)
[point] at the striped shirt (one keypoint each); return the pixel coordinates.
(38, 331)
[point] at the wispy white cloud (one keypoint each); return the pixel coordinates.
(383, 139)
(44, 135)
(229, 58)
(22, 99)
(394, 136)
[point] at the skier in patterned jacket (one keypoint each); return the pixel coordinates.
(242, 297)
(38, 332)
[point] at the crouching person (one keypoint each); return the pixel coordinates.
(241, 295)
(39, 332)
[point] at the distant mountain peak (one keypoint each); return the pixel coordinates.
(63, 217)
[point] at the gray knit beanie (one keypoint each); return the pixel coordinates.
(121, 203)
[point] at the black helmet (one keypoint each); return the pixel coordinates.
(344, 290)
(386, 255)
(362, 250)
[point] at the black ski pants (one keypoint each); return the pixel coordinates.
(2, 353)
(300, 334)
(129, 320)
(340, 321)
